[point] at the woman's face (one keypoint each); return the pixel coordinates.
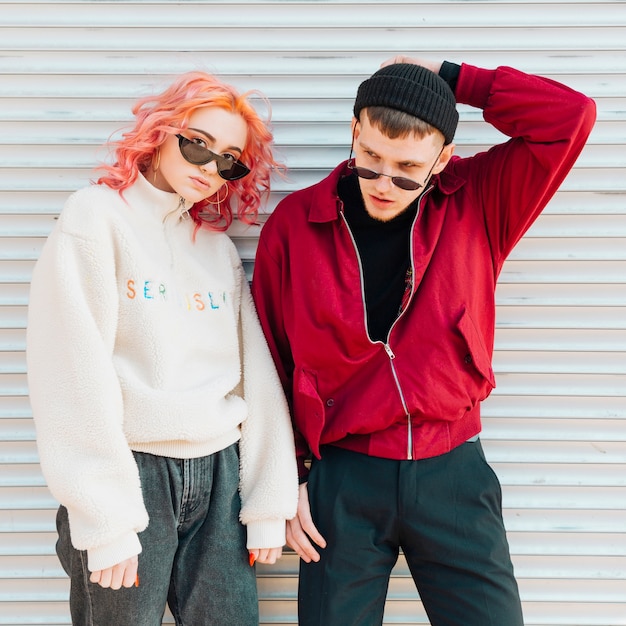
(220, 131)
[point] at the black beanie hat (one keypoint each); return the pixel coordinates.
(413, 89)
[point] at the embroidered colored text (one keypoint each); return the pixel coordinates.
(153, 290)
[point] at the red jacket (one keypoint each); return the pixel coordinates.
(419, 394)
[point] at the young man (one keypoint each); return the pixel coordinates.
(375, 288)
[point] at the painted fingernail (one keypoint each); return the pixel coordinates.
(137, 580)
(251, 559)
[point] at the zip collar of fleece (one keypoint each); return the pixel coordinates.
(163, 204)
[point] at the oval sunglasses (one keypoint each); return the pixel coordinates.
(227, 168)
(408, 184)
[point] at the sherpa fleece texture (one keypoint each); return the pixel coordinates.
(141, 339)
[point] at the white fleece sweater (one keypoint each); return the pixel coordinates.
(141, 339)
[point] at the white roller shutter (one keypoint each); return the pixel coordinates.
(554, 429)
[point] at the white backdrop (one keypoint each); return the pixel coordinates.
(555, 427)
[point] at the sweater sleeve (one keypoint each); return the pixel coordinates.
(76, 399)
(548, 124)
(269, 486)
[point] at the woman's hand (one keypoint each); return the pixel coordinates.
(123, 574)
(265, 555)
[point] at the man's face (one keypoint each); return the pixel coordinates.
(409, 157)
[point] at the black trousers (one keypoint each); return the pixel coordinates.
(445, 513)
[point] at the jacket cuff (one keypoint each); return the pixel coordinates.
(474, 86)
(266, 534)
(303, 469)
(450, 73)
(121, 549)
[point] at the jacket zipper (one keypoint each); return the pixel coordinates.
(386, 345)
(182, 214)
(180, 210)
(409, 421)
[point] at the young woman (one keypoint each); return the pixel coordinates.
(161, 424)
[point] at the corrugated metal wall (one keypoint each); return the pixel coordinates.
(555, 428)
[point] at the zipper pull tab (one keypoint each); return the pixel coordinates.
(389, 351)
(184, 213)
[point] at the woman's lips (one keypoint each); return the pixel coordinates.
(200, 183)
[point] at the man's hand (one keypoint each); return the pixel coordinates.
(433, 66)
(301, 530)
(123, 574)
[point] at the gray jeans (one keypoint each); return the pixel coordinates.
(194, 551)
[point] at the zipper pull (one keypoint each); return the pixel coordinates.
(179, 211)
(184, 213)
(389, 351)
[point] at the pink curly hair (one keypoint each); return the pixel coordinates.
(168, 113)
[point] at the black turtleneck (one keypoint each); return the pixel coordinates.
(385, 257)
